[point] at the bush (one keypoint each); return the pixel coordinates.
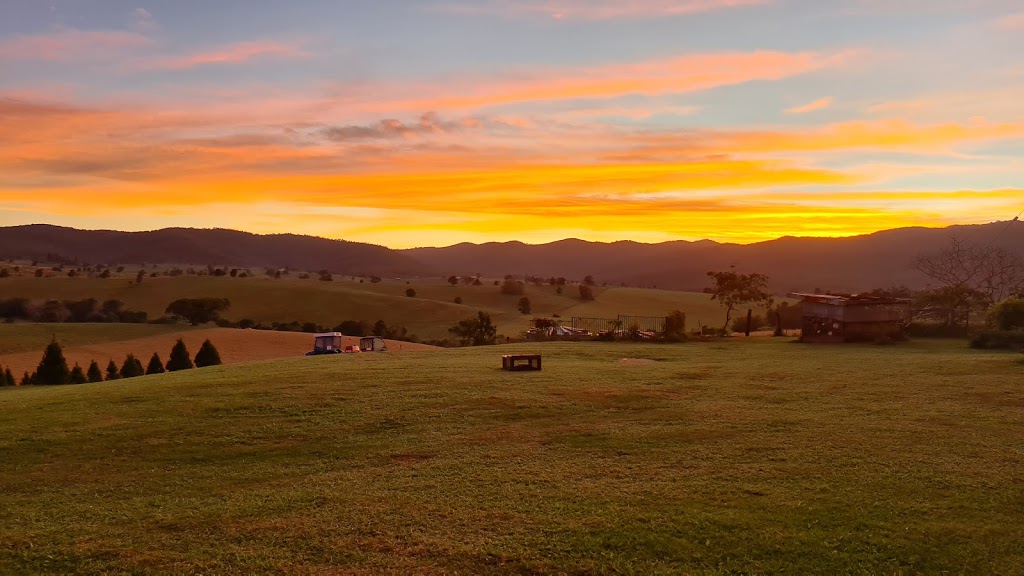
(740, 324)
(586, 292)
(207, 355)
(524, 305)
(77, 376)
(131, 367)
(999, 340)
(112, 372)
(458, 300)
(411, 293)
(513, 287)
(1008, 314)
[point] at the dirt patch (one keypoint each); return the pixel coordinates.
(235, 347)
(637, 361)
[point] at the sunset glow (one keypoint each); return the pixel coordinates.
(432, 123)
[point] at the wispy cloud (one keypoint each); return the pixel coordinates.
(230, 54)
(596, 9)
(71, 44)
(819, 104)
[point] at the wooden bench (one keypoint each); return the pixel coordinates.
(520, 362)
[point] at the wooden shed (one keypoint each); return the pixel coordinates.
(852, 317)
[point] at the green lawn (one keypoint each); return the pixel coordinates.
(428, 315)
(757, 456)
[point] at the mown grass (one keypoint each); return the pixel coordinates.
(757, 456)
(428, 315)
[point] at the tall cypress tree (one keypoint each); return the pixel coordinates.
(112, 373)
(53, 368)
(94, 374)
(131, 367)
(179, 359)
(77, 375)
(155, 365)
(6, 378)
(207, 355)
(26, 380)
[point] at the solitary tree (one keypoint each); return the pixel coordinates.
(477, 331)
(207, 355)
(53, 368)
(410, 292)
(586, 292)
(524, 305)
(732, 290)
(93, 374)
(1008, 314)
(155, 365)
(131, 367)
(112, 371)
(179, 359)
(589, 281)
(198, 310)
(453, 280)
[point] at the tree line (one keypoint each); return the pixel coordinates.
(53, 367)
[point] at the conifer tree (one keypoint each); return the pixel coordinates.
(179, 359)
(155, 365)
(94, 374)
(112, 373)
(26, 380)
(131, 367)
(77, 375)
(207, 355)
(53, 368)
(10, 377)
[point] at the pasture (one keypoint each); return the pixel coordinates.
(748, 455)
(428, 315)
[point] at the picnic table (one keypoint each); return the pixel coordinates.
(520, 362)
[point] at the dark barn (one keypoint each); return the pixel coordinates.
(852, 317)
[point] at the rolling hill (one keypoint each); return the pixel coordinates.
(856, 263)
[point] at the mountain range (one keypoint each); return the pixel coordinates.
(853, 264)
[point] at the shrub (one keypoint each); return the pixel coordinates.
(458, 300)
(77, 376)
(112, 372)
(740, 324)
(179, 359)
(513, 287)
(131, 367)
(53, 368)
(207, 355)
(586, 292)
(675, 326)
(1008, 314)
(155, 365)
(524, 305)
(410, 292)
(999, 340)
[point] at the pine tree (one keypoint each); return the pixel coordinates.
(5, 380)
(155, 365)
(131, 367)
(10, 377)
(94, 374)
(179, 359)
(53, 368)
(77, 375)
(26, 380)
(207, 355)
(112, 373)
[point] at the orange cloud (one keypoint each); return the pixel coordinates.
(1012, 22)
(231, 54)
(70, 44)
(677, 75)
(819, 104)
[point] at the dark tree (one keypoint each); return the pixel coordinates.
(732, 290)
(112, 372)
(410, 292)
(131, 367)
(53, 368)
(453, 280)
(513, 287)
(140, 276)
(155, 365)
(180, 359)
(1008, 314)
(375, 279)
(524, 305)
(198, 310)
(380, 328)
(477, 331)
(26, 380)
(589, 281)
(93, 374)
(586, 292)
(7, 378)
(458, 300)
(207, 355)
(675, 326)
(77, 375)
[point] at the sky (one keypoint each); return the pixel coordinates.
(433, 122)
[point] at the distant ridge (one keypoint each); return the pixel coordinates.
(880, 259)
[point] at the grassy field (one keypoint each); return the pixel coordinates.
(746, 456)
(428, 315)
(34, 337)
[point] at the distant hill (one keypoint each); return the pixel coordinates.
(216, 247)
(856, 263)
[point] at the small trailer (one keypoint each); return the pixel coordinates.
(327, 343)
(373, 344)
